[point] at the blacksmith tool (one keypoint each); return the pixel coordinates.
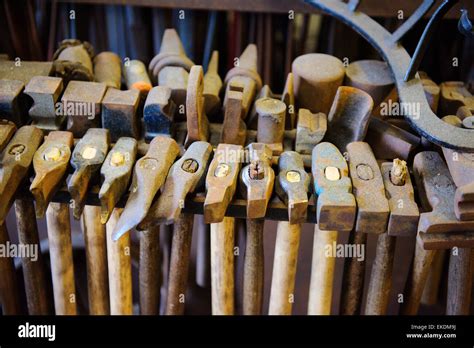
(9, 297)
(73, 61)
(171, 66)
(13, 106)
(291, 186)
(212, 85)
(183, 179)
(403, 222)
(197, 122)
(271, 123)
(256, 182)
(50, 163)
(311, 80)
(438, 227)
(136, 76)
(45, 92)
(158, 113)
(221, 183)
(108, 69)
(336, 211)
(81, 103)
(310, 130)
(149, 174)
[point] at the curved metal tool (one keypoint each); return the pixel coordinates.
(426, 122)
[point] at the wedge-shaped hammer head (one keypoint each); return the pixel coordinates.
(257, 180)
(221, 181)
(436, 189)
(183, 178)
(116, 172)
(404, 213)
(349, 117)
(369, 191)
(292, 186)
(336, 207)
(50, 163)
(7, 129)
(87, 157)
(148, 176)
(15, 161)
(197, 122)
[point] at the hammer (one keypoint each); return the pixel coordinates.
(256, 180)
(9, 298)
(291, 186)
(183, 179)
(221, 183)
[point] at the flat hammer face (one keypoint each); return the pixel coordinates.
(183, 178)
(119, 113)
(437, 189)
(87, 157)
(116, 172)
(50, 163)
(292, 186)
(81, 103)
(257, 180)
(45, 92)
(15, 161)
(404, 213)
(158, 113)
(149, 175)
(221, 181)
(369, 191)
(336, 206)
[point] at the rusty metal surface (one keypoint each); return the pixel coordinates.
(23, 71)
(292, 186)
(221, 181)
(158, 113)
(149, 174)
(7, 129)
(454, 95)
(197, 122)
(119, 113)
(45, 92)
(257, 179)
(108, 69)
(271, 123)
(87, 157)
(318, 75)
(368, 187)
(389, 141)
(212, 85)
(13, 105)
(234, 129)
(411, 92)
(50, 163)
(436, 189)
(15, 160)
(310, 130)
(116, 172)
(349, 117)
(336, 205)
(404, 213)
(136, 76)
(81, 103)
(183, 179)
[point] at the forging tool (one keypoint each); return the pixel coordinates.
(291, 186)
(9, 297)
(197, 122)
(149, 174)
(221, 183)
(403, 222)
(73, 61)
(171, 66)
(257, 179)
(438, 228)
(336, 211)
(183, 179)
